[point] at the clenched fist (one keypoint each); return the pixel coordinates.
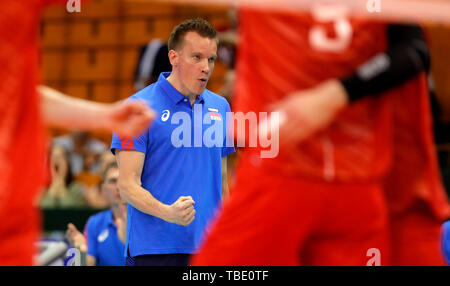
(182, 211)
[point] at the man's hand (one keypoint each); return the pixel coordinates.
(129, 118)
(306, 112)
(76, 238)
(182, 211)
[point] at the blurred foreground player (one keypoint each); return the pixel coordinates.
(321, 201)
(22, 148)
(417, 202)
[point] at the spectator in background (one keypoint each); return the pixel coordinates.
(153, 60)
(84, 151)
(105, 232)
(94, 195)
(106, 159)
(64, 191)
(84, 157)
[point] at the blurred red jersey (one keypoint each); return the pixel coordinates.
(22, 144)
(415, 171)
(280, 53)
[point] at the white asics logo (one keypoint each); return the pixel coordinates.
(103, 236)
(165, 115)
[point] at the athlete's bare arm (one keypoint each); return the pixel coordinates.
(308, 111)
(125, 118)
(130, 163)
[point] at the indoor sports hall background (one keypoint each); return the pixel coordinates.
(102, 52)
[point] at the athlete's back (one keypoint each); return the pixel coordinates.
(281, 53)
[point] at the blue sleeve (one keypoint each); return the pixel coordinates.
(90, 235)
(138, 143)
(228, 141)
(446, 241)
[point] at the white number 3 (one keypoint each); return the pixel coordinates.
(317, 35)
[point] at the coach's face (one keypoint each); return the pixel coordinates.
(195, 62)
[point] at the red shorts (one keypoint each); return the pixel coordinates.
(273, 220)
(415, 237)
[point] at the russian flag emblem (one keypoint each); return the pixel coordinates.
(215, 116)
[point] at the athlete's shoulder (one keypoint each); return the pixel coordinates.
(99, 219)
